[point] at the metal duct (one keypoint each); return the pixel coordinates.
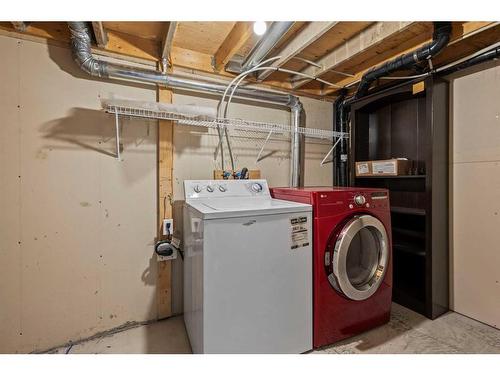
(82, 54)
(20, 25)
(295, 145)
(266, 44)
(440, 39)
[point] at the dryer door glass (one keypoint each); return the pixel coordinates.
(360, 257)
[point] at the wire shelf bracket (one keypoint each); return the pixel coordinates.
(219, 123)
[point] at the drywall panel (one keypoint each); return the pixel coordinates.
(477, 116)
(476, 259)
(85, 222)
(10, 199)
(475, 171)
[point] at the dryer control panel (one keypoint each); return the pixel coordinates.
(225, 188)
(368, 199)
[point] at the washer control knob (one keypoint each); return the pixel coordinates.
(359, 200)
(197, 189)
(256, 187)
(210, 188)
(222, 188)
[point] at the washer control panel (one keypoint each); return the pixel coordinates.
(225, 188)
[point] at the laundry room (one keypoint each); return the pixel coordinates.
(196, 182)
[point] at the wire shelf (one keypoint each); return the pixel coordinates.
(210, 122)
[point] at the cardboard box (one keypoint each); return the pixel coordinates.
(390, 167)
(363, 168)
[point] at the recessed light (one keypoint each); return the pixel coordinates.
(259, 27)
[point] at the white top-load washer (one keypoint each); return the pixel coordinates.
(247, 269)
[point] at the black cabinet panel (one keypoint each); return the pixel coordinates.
(395, 123)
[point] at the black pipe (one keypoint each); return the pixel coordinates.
(488, 55)
(440, 39)
(340, 155)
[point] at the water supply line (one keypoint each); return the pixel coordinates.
(440, 38)
(82, 54)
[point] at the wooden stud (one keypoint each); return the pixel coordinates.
(239, 35)
(165, 191)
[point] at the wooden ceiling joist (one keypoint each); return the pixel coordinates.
(465, 39)
(308, 35)
(239, 35)
(336, 48)
(367, 38)
(101, 36)
(168, 43)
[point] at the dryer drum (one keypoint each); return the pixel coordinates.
(360, 258)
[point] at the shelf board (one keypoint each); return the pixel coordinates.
(409, 232)
(408, 210)
(411, 176)
(409, 249)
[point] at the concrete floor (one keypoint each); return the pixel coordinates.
(407, 332)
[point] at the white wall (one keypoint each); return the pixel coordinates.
(475, 168)
(77, 227)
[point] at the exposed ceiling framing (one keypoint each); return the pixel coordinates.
(337, 52)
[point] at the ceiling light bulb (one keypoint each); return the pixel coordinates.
(259, 27)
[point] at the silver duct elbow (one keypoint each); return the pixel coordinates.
(82, 53)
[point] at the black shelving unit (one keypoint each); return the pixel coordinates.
(397, 123)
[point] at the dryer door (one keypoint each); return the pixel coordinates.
(359, 257)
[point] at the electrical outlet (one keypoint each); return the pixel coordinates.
(168, 227)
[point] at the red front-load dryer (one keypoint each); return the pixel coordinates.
(352, 259)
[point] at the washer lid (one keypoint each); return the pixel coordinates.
(239, 207)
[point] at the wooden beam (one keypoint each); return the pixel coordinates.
(165, 191)
(167, 43)
(100, 34)
(370, 37)
(190, 59)
(237, 37)
(301, 41)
